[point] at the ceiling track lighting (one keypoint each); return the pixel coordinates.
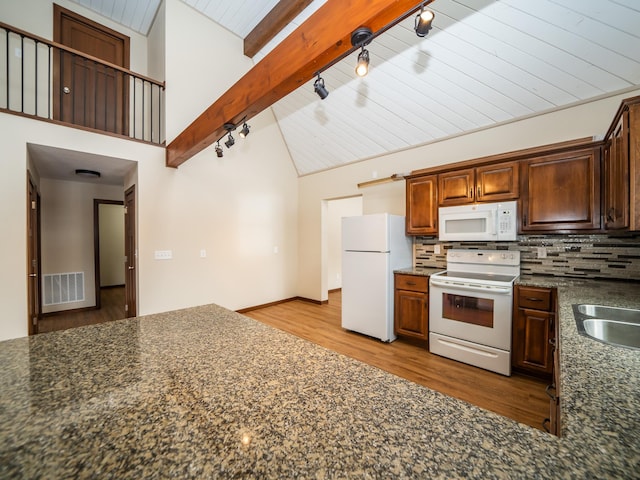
(219, 151)
(230, 127)
(359, 38)
(362, 67)
(230, 141)
(319, 88)
(423, 22)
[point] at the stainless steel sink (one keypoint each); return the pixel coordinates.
(612, 325)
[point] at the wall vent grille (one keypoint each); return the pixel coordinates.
(60, 288)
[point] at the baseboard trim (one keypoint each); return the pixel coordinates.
(65, 312)
(286, 300)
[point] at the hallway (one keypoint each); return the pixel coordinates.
(112, 308)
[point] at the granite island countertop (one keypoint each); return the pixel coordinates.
(208, 393)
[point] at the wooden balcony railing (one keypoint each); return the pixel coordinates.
(49, 81)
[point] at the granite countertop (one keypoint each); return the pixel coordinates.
(208, 393)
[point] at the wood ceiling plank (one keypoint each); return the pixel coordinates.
(270, 26)
(323, 38)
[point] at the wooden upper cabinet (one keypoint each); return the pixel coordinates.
(621, 169)
(488, 183)
(561, 192)
(457, 187)
(498, 182)
(616, 176)
(422, 205)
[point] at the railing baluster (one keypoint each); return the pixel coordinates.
(21, 73)
(49, 82)
(151, 112)
(134, 108)
(35, 49)
(7, 62)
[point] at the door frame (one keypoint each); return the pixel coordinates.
(96, 244)
(131, 253)
(34, 295)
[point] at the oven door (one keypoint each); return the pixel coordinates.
(473, 313)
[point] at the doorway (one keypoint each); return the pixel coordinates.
(333, 212)
(108, 246)
(33, 252)
(88, 93)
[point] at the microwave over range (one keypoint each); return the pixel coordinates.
(478, 222)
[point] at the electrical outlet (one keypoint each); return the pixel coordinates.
(542, 252)
(163, 255)
(203, 253)
(436, 249)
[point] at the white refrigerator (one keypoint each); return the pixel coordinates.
(373, 246)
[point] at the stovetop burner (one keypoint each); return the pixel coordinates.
(492, 278)
(489, 267)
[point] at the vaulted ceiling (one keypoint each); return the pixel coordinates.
(484, 62)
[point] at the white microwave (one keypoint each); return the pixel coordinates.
(478, 221)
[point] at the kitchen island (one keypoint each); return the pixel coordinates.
(208, 393)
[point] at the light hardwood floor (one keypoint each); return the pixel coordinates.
(518, 397)
(112, 302)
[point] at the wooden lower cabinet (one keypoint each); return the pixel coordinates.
(411, 304)
(533, 330)
(534, 349)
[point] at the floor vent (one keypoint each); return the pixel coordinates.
(60, 288)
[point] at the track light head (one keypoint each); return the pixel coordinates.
(230, 141)
(219, 151)
(362, 68)
(319, 88)
(423, 22)
(245, 130)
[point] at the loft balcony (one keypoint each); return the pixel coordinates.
(48, 81)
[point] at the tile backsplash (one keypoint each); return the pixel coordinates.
(576, 256)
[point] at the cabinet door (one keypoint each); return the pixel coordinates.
(561, 193)
(422, 205)
(497, 182)
(616, 176)
(411, 313)
(457, 187)
(532, 350)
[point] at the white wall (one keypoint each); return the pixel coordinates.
(591, 119)
(202, 61)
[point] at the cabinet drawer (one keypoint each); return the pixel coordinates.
(415, 283)
(534, 298)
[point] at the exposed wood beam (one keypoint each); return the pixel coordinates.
(270, 26)
(324, 37)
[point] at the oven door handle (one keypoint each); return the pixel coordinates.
(470, 288)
